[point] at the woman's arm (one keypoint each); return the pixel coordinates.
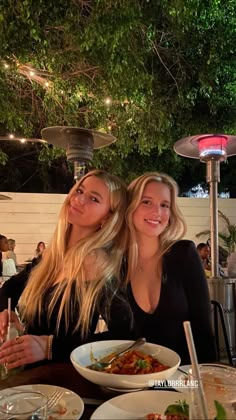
(14, 287)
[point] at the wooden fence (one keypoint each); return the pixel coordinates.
(30, 218)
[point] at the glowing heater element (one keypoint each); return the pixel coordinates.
(212, 147)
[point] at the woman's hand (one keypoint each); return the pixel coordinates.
(4, 323)
(23, 350)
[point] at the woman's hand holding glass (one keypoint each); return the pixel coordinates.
(4, 322)
(23, 350)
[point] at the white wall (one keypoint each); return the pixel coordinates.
(30, 218)
(197, 215)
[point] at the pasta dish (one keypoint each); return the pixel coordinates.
(134, 362)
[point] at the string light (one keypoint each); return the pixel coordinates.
(22, 139)
(42, 77)
(108, 101)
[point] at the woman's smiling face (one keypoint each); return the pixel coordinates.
(153, 212)
(89, 206)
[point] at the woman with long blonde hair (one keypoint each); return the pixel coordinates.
(77, 277)
(165, 280)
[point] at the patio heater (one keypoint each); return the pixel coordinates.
(79, 144)
(211, 149)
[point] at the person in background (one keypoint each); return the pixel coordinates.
(76, 280)
(204, 253)
(165, 280)
(11, 253)
(4, 247)
(40, 248)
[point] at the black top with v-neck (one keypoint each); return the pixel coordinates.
(184, 296)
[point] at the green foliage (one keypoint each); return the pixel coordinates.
(3, 158)
(168, 66)
(48, 153)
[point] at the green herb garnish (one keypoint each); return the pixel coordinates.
(220, 411)
(181, 408)
(142, 364)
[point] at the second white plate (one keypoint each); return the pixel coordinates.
(137, 405)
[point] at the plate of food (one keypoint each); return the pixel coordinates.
(145, 405)
(68, 406)
(138, 368)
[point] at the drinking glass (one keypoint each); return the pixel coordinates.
(23, 405)
(4, 371)
(219, 385)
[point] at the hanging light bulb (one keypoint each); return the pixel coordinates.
(108, 101)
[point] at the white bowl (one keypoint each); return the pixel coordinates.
(81, 358)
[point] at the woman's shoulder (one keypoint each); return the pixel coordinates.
(183, 247)
(184, 244)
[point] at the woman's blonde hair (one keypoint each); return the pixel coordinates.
(176, 227)
(106, 245)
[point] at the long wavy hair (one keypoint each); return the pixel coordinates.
(174, 231)
(108, 241)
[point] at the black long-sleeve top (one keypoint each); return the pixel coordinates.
(65, 340)
(184, 296)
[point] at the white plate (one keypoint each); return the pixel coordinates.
(122, 390)
(137, 405)
(69, 400)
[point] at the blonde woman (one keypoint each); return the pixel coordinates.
(165, 279)
(75, 280)
(10, 254)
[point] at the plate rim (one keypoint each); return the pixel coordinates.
(75, 395)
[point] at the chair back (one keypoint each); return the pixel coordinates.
(218, 315)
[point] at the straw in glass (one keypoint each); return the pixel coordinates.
(9, 318)
(8, 328)
(195, 368)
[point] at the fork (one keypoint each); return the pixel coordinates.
(99, 365)
(54, 398)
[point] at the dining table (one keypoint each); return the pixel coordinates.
(62, 375)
